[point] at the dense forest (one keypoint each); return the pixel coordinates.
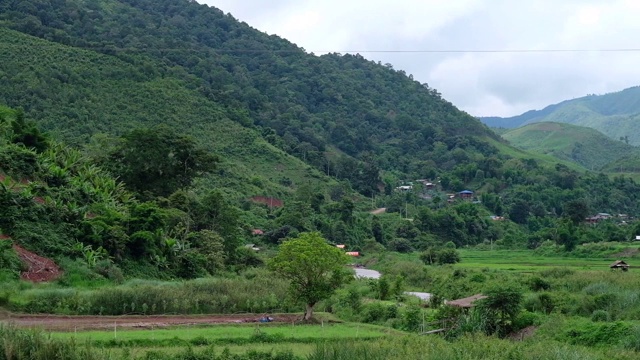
(138, 132)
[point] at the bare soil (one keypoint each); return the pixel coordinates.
(523, 334)
(39, 269)
(73, 323)
(628, 252)
(269, 201)
(378, 211)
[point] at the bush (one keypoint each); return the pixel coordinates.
(595, 334)
(110, 271)
(632, 342)
(400, 245)
(525, 319)
(374, 312)
(544, 303)
(600, 315)
(538, 284)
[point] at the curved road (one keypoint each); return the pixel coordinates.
(362, 273)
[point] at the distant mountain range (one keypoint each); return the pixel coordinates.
(616, 115)
(585, 146)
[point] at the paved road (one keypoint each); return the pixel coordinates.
(373, 274)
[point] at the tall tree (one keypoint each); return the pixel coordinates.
(315, 268)
(158, 161)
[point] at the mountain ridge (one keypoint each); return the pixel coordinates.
(585, 146)
(614, 114)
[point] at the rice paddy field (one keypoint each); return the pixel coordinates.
(299, 340)
(527, 261)
(573, 307)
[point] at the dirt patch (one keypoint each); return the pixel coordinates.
(523, 334)
(628, 252)
(378, 211)
(269, 201)
(73, 323)
(39, 269)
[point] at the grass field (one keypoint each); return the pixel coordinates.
(298, 339)
(526, 260)
(228, 333)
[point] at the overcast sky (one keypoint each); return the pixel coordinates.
(483, 84)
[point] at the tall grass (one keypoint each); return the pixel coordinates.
(17, 344)
(32, 345)
(467, 348)
(261, 293)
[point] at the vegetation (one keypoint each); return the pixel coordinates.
(314, 268)
(582, 145)
(173, 160)
(599, 112)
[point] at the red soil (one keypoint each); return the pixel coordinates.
(269, 201)
(39, 269)
(72, 323)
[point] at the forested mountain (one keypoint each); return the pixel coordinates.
(616, 115)
(318, 108)
(196, 113)
(582, 145)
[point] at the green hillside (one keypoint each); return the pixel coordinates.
(341, 114)
(616, 115)
(146, 89)
(103, 94)
(585, 146)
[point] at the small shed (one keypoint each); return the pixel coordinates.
(340, 246)
(466, 302)
(353, 253)
(619, 264)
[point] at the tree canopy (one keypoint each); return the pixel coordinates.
(159, 161)
(315, 268)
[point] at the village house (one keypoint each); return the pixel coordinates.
(466, 194)
(598, 217)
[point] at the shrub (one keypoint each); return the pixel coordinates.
(411, 319)
(594, 334)
(374, 312)
(539, 302)
(400, 245)
(525, 319)
(110, 271)
(632, 342)
(538, 284)
(600, 315)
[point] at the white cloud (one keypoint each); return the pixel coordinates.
(480, 83)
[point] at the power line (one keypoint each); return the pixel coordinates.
(416, 51)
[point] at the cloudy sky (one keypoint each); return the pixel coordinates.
(481, 83)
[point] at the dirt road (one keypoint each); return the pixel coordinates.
(378, 211)
(73, 323)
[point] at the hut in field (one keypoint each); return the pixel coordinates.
(619, 264)
(467, 302)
